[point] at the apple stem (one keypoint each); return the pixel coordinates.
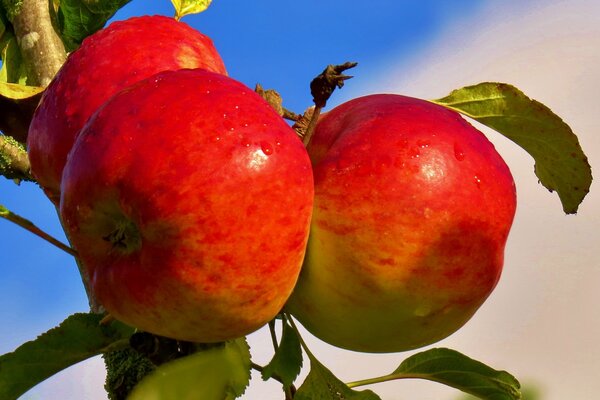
(31, 227)
(288, 318)
(273, 334)
(310, 130)
(321, 89)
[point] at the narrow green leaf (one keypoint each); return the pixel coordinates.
(461, 372)
(78, 19)
(287, 361)
(321, 384)
(221, 372)
(13, 69)
(185, 7)
(77, 338)
(560, 163)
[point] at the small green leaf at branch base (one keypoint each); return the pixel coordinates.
(287, 361)
(560, 163)
(79, 19)
(455, 370)
(77, 338)
(221, 372)
(322, 384)
(185, 7)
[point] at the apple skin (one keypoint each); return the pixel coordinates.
(106, 62)
(412, 211)
(188, 200)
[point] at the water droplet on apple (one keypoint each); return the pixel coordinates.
(208, 92)
(216, 139)
(245, 142)
(415, 152)
(266, 148)
(277, 143)
(477, 181)
(458, 152)
(423, 143)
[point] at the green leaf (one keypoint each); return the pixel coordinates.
(78, 19)
(560, 163)
(218, 373)
(77, 338)
(185, 7)
(321, 384)
(13, 69)
(287, 361)
(461, 372)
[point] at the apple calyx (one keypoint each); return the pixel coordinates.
(125, 237)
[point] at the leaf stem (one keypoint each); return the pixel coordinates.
(31, 227)
(384, 378)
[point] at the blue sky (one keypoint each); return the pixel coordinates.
(540, 323)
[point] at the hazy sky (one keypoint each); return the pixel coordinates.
(541, 323)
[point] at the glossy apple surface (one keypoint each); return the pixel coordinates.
(412, 211)
(188, 200)
(107, 61)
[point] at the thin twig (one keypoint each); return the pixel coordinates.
(31, 227)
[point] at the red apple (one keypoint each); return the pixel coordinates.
(108, 61)
(413, 207)
(188, 200)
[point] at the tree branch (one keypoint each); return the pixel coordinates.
(41, 47)
(14, 163)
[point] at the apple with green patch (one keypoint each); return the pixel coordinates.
(412, 211)
(108, 61)
(188, 200)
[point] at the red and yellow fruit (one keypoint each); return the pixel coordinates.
(188, 200)
(412, 210)
(107, 62)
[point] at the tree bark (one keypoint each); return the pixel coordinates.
(41, 47)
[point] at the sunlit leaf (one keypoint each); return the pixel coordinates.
(13, 69)
(219, 373)
(560, 163)
(18, 92)
(77, 338)
(321, 384)
(185, 7)
(287, 361)
(461, 372)
(80, 18)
